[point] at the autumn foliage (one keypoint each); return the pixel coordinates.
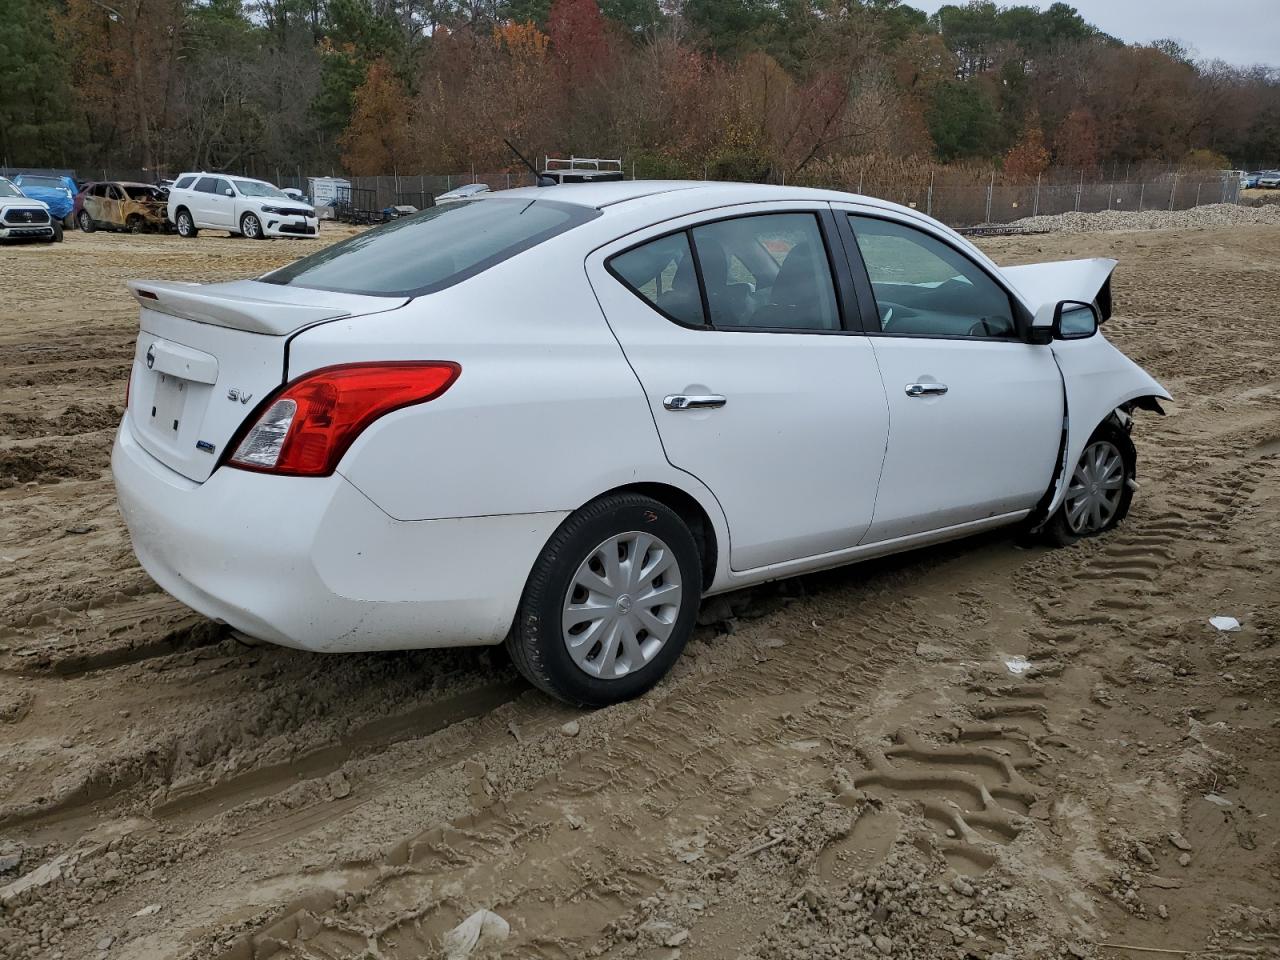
(746, 89)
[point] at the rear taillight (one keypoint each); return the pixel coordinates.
(306, 428)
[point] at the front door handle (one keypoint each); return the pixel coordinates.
(680, 401)
(926, 389)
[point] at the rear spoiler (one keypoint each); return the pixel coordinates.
(1044, 284)
(254, 306)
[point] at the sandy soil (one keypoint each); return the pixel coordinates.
(841, 766)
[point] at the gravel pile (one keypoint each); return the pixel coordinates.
(1209, 215)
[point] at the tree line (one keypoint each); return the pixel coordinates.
(740, 89)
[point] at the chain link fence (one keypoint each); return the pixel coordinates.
(970, 205)
(958, 204)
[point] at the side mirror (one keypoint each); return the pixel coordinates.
(229, 192)
(1075, 320)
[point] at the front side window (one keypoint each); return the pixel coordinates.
(924, 287)
(436, 248)
(256, 188)
(207, 185)
(759, 272)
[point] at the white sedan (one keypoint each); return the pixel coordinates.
(559, 417)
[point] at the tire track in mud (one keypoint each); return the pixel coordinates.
(687, 781)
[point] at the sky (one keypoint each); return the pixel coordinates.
(1241, 32)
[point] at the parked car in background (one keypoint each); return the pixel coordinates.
(1269, 179)
(55, 192)
(560, 417)
(463, 193)
(22, 218)
(1249, 181)
(120, 205)
(239, 205)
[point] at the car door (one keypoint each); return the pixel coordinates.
(734, 328)
(975, 411)
(112, 198)
(214, 207)
(93, 201)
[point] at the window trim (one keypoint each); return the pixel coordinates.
(871, 309)
(828, 231)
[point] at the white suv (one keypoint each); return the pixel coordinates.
(253, 208)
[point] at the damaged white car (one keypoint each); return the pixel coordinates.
(558, 418)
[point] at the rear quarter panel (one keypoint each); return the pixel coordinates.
(545, 416)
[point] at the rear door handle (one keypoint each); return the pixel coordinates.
(707, 401)
(926, 389)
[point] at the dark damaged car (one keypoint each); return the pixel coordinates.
(120, 205)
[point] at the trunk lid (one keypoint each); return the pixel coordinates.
(207, 355)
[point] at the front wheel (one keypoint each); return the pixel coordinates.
(251, 227)
(610, 603)
(1099, 489)
(57, 232)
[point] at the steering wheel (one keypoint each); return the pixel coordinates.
(983, 329)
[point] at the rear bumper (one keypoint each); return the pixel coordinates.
(312, 563)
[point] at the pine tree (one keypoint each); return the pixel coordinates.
(36, 113)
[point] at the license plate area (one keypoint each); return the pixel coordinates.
(168, 405)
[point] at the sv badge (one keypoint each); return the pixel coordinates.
(243, 396)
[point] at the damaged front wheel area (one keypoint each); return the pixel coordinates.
(1100, 488)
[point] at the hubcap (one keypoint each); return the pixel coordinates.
(251, 226)
(1093, 496)
(621, 605)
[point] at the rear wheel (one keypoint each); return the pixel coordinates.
(135, 224)
(610, 603)
(185, 225)
(251, 227)
(86, 222)
(1099, 489)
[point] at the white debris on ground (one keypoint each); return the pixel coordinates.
(1209, 215)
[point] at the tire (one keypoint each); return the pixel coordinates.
(251, 227)
(539, 642)
(86, 222)
(57, 232)
(135, 224)
(186, 226)
(1068, 525)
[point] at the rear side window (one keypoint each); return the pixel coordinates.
(433, 249)
(767, 272)
(184, 183)
(662, 271)
(759, 272)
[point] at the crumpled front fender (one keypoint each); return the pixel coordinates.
(1097, 378)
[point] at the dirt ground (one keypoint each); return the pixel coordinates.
(973, 751)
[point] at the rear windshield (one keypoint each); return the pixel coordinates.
(433, 249)
(43, 182)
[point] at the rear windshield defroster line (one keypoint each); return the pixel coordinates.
(434, 249)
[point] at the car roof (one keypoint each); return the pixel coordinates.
(700, 194)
